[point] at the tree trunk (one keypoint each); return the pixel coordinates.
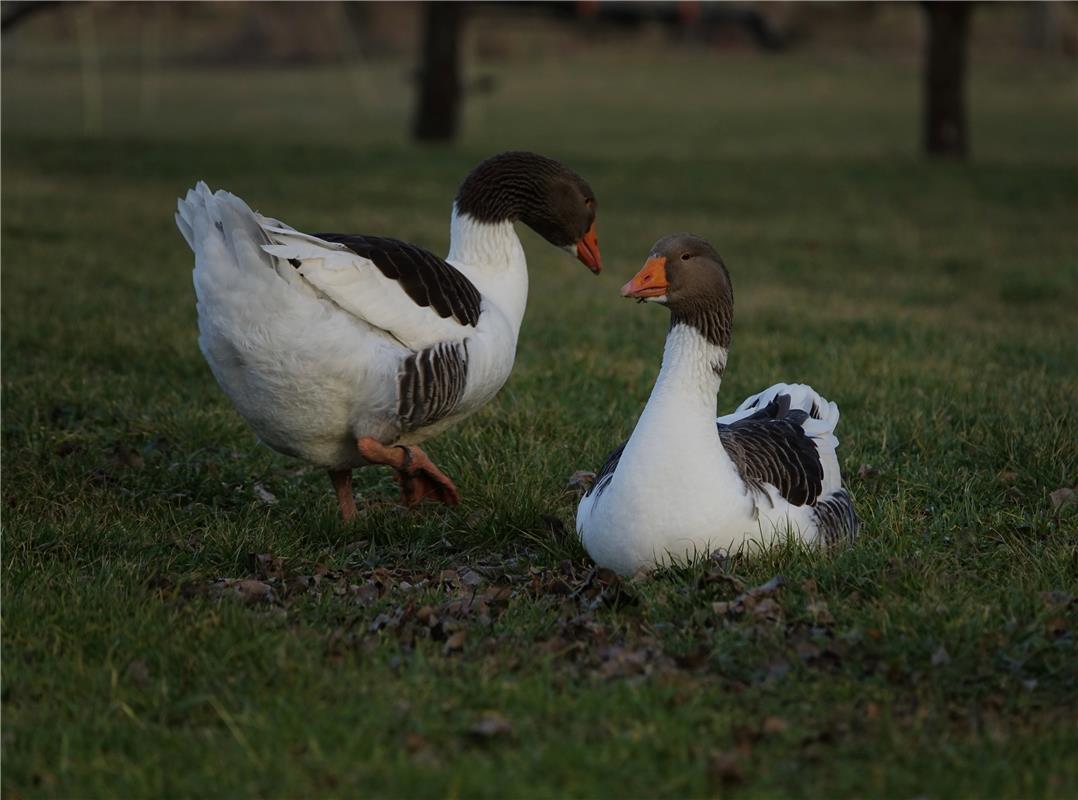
(438, 106)
(945, 132)
(16, 12)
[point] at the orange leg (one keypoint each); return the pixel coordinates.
(418, 476)
(342, 484)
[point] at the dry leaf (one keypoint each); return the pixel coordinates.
(820, 612)
(941, 657)
(264, 495)
(580, 481)
(767, 589)
(767, 609)
(247, 589)
(1057, 599)
(1055, 628)
(470, 578)
(724, 766)
(1062, 498)
(266, 565)
(773, 725)
(421, 750)
(128, 456)
(491, 724)
(806, 651)
(455, 642)
(138, 673)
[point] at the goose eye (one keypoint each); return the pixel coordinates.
(685, 256)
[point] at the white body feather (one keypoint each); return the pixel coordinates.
(310, 356)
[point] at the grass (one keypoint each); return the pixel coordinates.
(935, 302)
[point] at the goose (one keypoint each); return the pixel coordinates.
(348, 350)
(685, 483)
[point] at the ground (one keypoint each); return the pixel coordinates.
(185, 615)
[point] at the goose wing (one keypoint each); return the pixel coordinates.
(771, 446)
(417, 297)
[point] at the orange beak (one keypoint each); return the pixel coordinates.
(649, 281)
(587, 250)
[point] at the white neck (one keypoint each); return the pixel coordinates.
(685, 391)
(491, 256)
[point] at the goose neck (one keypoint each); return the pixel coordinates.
(491, 256)
(691, 372)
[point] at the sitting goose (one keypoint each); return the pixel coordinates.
(348, 350)
(685, 483)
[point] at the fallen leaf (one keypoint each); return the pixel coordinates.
(491, 724)
(724, 767)
(66, 448)
(421, 750)
(773, 725)
(867, 471)
(555, 527)
(941, 657)
(470, 578)
(1062, 498)
(455, 642)
(806, 651)
(247, 589)
(264, 495)
(138, 673)
(820, 613)
(1057, 599)
(580, 481)
(128, 456)
(266, 565)
(767, 609)
(1056, 628)
(768, 588)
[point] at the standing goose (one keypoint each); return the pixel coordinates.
(349, 350)
(685, 483)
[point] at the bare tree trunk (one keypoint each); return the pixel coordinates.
(945, 131)
(16, 12)
(438, 108)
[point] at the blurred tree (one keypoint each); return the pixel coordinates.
(945, 131)
(438, 102)
(15, 12)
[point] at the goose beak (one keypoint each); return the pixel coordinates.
(587, 250)
(649, 282)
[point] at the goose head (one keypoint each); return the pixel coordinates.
(687, 275)
(542, 193)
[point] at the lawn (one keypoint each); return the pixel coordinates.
(184, 614)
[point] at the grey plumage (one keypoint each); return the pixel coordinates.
(836, 518)
(430, 384)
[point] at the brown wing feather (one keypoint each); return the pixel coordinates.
(771, 447)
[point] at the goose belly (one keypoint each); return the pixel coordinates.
(308, 396)
(666, 515)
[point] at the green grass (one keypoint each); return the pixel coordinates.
(934, 302)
